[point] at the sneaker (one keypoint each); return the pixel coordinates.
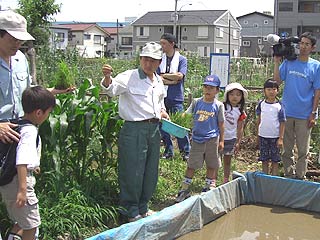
(185, 157)
(136, 218)
(148, 213)
(167, 156)
(182, 195)
(207, 188)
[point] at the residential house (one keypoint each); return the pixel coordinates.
(201, 31)
(89, 38)
(293, 17)
(255, 27)
(59, 37)
(120, 44)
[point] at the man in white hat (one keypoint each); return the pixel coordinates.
(14, 79)
(141, 104)
(14, 71)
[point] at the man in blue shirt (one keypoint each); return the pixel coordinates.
(301, 94)
(173, 69)
(14, 71)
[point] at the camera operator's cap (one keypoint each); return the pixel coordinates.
(14, 24)
(152, 49)
(233, 86)
(170, 38)
(212, 80)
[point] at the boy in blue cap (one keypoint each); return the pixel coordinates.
(207, 136)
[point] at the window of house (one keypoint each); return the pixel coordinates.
(255, 25)
(265, 22)
(259, 41)
(309, 6)
(219, 50)
(185, 29)
(245, 22)
(204, 51)
(235, 34)
(246, 43)
(265, 39)
(126, 41)
(286, 7)
(86, 36)
(160, 29)
(97, 39)
(142, 31)
(219, 32)
(203, 31)
(235, 52)
(60, 37)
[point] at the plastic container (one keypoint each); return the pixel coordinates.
(174, 129)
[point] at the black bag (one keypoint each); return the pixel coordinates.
(8, 153)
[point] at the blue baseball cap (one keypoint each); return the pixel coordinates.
(212, 80)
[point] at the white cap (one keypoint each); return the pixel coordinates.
(152, 49)
(14, 24)
(233, 86)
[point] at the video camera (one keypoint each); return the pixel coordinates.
(284, 47)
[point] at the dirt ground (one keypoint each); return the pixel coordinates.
(248, 155)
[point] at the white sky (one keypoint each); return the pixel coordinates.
(111, 10)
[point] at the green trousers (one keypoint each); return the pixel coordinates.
(139, 152)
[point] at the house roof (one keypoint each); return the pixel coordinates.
(256, 13)
(111, 30)
(82, 27)
(59, 27)
(192, 17)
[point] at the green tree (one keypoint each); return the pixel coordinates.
(39, 15)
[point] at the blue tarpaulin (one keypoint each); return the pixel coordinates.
(196, 211)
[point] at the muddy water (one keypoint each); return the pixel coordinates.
(260, 222)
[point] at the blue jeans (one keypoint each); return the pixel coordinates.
(183, 143)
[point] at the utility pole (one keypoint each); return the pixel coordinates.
(175, 18)
(117, 43)
(229, 39)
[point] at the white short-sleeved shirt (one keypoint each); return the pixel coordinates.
(232, 117)
(271, 115)
(27, 150)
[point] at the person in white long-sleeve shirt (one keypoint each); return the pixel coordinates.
(141, 104)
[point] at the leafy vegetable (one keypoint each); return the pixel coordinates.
(64, 77)
(182, 119)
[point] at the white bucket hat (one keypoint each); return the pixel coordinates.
(152, 49)
(233, 86)
(14, 24)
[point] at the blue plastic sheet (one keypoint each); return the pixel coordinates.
(196, 211)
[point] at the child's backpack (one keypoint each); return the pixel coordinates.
(8, 153)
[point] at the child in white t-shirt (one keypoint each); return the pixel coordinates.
(19, 195)
(270, 122)
(234, 101)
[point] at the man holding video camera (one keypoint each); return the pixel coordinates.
(301, 77)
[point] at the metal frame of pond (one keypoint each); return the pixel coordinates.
(196, 211)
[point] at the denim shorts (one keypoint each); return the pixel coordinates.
(229, 146)
(269, 149)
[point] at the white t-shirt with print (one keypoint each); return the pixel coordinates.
(232, 116)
